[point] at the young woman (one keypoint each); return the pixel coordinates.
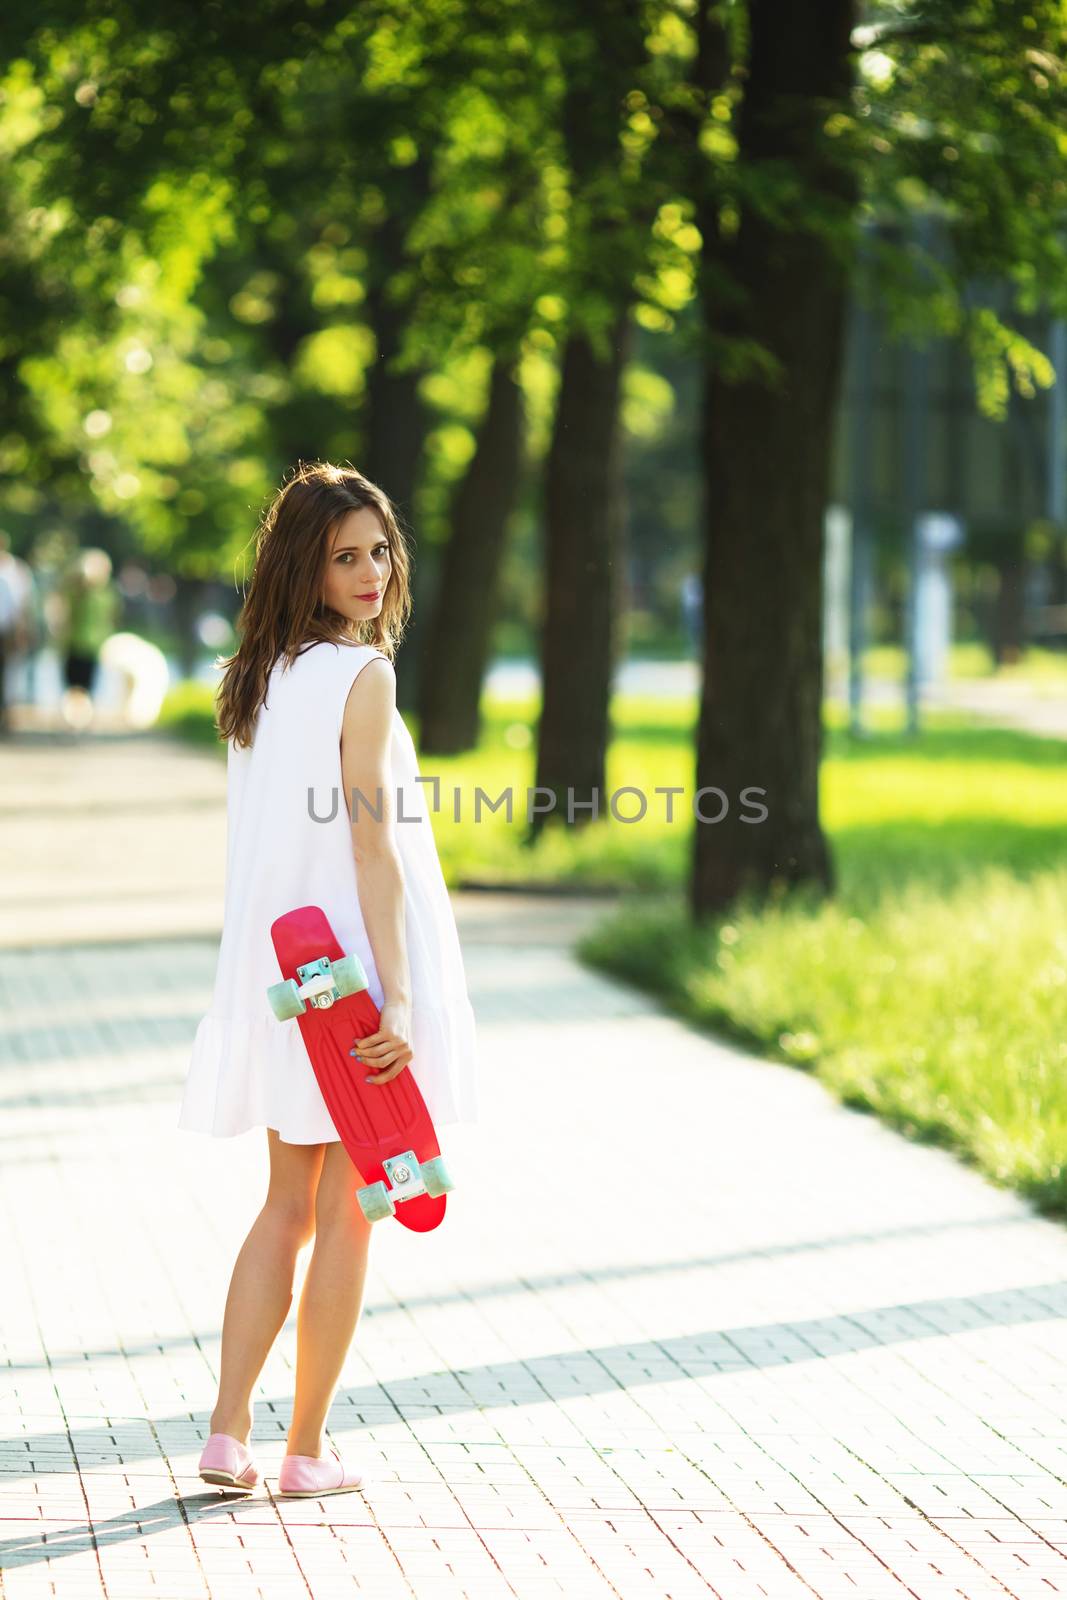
(307, 705)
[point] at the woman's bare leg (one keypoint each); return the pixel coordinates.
(261, 1288)
(330, 1301)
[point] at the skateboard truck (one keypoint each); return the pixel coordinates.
(407, 1177)
(404, 1176)
(316, 982)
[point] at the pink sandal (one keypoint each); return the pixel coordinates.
(228, 1463)
(310, 1476)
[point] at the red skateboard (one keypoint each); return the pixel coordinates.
(386, 1130)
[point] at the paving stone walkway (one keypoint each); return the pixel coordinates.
(691, 1329)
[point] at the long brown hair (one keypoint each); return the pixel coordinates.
(283, 611)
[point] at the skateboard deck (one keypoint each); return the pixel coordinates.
(386, 1129)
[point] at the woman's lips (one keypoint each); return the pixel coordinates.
(374, 596)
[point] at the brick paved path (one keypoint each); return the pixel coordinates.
(798, 1356)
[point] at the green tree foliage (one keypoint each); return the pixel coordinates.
(236, 198)
(961, 113)
(210, 186)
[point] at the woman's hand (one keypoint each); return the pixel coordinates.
(388, 1051)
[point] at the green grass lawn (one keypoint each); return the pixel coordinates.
(1040, 667)
(932, 989)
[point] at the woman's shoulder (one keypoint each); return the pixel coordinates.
(352, 646)
(354, 657)
(344, 649)
(342, 663)
(326, 653)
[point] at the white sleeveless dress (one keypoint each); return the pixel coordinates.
(289, 847)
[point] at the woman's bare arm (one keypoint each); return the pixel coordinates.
(366, 734)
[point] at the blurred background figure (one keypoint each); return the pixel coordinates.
(91, 606)
(142, 676)
(18, 629)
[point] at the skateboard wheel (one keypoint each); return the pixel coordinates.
(375, 1202)
(348, 975)
(285, 1000)
(435, 1176)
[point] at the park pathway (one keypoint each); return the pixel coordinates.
(692, 1328)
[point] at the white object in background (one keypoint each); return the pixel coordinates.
(939, 534)
(837, 556)
(140, 678)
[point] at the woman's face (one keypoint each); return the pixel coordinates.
(358, 566)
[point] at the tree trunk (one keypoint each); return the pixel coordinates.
(583, 537)
(603, 53)
(1057, 592)
(396, 432)
(459, 634)
(187, 605)
(397, 420)
(1009, 630)
(766, 454)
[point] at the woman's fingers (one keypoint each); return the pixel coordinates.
(385, 1052)
(371, 1052)
(381, 1053)
(375, 1043)
(401, 1053)
(389, 1073)
(378, 1049)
